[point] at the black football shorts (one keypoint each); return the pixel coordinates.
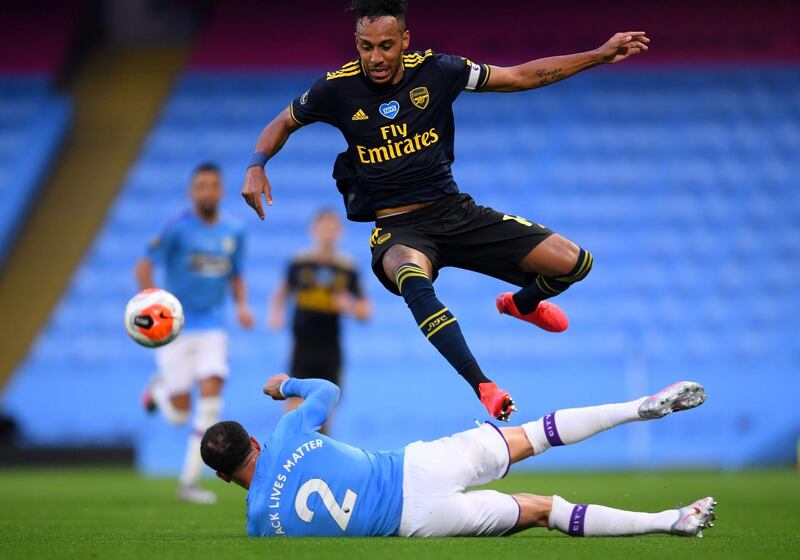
(316, 361)
(454, 231)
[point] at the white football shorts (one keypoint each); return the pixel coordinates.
(192, 357)
(436, 475)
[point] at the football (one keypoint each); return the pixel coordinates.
(154, 317)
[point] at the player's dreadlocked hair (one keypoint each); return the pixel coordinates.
(373, 9)
(225, 446)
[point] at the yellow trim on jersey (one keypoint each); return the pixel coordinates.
(291, 113)
(426, 321)
(485, 79)
(426, 54)
(440, 327)
(415, 59)
(342, 74)
(351, 68)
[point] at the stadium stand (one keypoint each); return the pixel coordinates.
(685, 31)
(33, 123)
(678, 178)
(34, 118)
(679, 182)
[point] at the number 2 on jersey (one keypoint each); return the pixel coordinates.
(341, 514)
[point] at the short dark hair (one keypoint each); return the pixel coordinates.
(373, 9)
(207, 166)
(225, 447)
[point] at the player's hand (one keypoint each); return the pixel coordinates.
(256, 184)
(344, 302)
(623, 45)
(273, 386)
(245, 316)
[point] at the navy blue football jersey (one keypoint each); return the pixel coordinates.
(400, 137)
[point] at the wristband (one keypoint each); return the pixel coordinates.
(280, 389)
(259, 159)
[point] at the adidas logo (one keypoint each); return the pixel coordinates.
(360, 115)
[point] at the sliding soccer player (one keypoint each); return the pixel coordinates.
(395, 110)
(303, 483)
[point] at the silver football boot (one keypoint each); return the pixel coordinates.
(682, 395)
(695, 517)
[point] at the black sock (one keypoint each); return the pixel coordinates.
(437, 323)
(544, 287)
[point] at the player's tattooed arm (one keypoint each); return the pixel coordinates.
(547, 77)
(546, 71)
(271, 140)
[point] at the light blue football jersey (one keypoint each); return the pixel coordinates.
(199, 259)
(307, 484)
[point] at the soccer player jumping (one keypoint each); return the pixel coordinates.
(303, 483)
(395, 111)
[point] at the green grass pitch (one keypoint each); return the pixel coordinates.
(109, 514)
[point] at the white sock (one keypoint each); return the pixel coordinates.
(572, 425)
(164, 404)
(208, 409)
(584, 520)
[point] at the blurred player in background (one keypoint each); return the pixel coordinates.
(395, 112)
(325, 285)
(201, 254)
(302, 483)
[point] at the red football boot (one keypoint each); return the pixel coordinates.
(547, 315)
(497, 401)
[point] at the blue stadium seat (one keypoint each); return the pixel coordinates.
(33, 122)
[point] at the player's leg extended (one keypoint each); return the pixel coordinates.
(568, 426)
(557, 264)
(411, 272)
(587, 520)
(571, 425)
(436, 505)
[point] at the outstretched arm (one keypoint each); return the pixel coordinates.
(271, 140)
(319, 397)
(545, 71)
